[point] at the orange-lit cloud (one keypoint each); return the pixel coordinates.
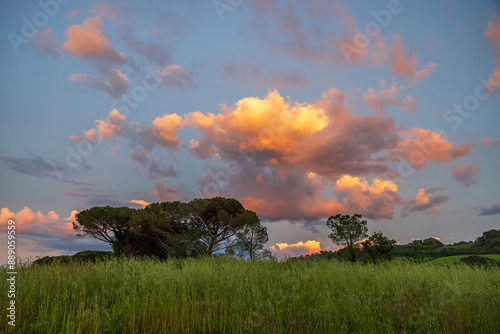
(292, 160)
(297, 249)
(271, 124)
(372, 201)
(425, 201)
(140, 202)
(89, 41)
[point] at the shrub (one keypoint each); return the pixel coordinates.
(475, 260)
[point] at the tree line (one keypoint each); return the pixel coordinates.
(176, 230)
(208, 226)
(221, 225)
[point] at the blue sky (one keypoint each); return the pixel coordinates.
(300, 110)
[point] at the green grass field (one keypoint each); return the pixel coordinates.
(456, 258)
(224, 295)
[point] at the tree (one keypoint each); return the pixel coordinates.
(107, 224)
(347, 230)
(160, 230)
(251, 239)
(378, 247)
(217, 219)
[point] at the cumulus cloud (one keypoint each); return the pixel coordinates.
(425, 201)
(90, 42)
(116, 83)
(288, 159)
(297, 249)
(30, 222)
(373, 201)
(40, 234)
(467, 175)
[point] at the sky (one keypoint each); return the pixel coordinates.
(299, 109)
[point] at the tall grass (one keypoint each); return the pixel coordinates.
(224, 295)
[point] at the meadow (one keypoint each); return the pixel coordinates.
(230, 295)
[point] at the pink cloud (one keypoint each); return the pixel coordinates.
(467, 175)
(400, 63)
(389, 96)
(164, 192)
(418, 146)
(492, 35)
(30, 222)
(89, 41)
(491, 143)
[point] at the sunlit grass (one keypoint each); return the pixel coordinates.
(224, 295)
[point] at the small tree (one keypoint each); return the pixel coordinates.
(378, 247)
(347, 230)
(251, 239)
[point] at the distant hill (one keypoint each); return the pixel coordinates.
(429, 249)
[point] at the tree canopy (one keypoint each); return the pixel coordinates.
(173, 229)
(107, 224)
(378, 247)
(348, 230)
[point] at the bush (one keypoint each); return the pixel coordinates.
(478, 261)
(80, 257)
